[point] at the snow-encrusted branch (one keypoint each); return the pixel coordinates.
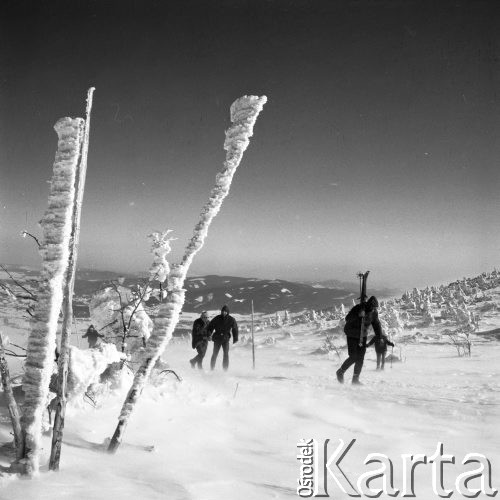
(56, 226)
(25, 233)
(136, 312)
(31, 295)
(244, 113)
(160, 248)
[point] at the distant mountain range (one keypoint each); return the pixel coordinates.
(212, 292)
(354, 287)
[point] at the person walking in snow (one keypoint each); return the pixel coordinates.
(221, 328)
(361, 314)
(381, 342)
(199, 339)
(92, 336)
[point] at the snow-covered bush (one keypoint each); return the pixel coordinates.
(329, 346)
(87, 366)
(119, 312)
(270, 340)
(461, 340)
(122, 309)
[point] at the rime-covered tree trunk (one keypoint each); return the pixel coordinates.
(244, 113)
(56, 225)
(10, 400)
(57, 433)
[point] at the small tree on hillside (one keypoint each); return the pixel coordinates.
(123, 307)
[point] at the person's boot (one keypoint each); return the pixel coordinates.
(355, 380)
(192, 362)
(340, 375)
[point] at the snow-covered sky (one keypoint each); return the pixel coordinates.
(378, 148)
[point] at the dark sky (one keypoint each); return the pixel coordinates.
(378, 148)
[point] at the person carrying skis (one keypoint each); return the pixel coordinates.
(361, 314)
(221, 328)
(199, 339)
(381, 342)
(92, 336)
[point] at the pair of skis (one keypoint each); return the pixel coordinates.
(362, 298)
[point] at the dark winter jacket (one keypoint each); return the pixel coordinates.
(381, 342)
(352, 326)
(199, 332)
(221, 327)
(92, 336)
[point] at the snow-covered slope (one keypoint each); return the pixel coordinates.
(222, 435)
(217, 435)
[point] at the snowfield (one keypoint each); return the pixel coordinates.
(218, 436)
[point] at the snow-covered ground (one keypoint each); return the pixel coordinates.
(221, 436)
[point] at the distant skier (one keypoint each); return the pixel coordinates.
(352, 329)
(92, 336)
(381, 342)
(220, 328)
(199, 339)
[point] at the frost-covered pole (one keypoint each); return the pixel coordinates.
(57, 433)
(56, 225)
(244, 113)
